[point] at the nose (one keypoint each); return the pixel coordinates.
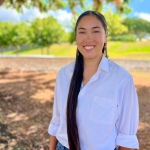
(89, 38)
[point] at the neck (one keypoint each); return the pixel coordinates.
(92, 64)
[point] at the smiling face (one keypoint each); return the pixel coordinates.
(90, 37)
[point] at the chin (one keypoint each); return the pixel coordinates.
(89, 56)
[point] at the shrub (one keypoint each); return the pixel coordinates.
(122, 37)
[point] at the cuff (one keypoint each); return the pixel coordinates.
(52, 129)
(129, 141)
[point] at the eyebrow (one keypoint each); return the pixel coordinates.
(96, 27)
(92, 28)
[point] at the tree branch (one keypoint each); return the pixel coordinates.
(1, 2)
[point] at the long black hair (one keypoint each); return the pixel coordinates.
(75, 85)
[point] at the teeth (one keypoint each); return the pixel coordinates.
(89, 47)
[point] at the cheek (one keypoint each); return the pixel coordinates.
(99, 39)
(80, 40)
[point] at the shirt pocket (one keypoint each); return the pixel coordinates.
(102, 110)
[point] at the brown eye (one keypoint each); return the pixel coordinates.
(96, 31)
(81, 32)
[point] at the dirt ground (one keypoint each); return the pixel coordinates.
(54, 64)
(26, 101)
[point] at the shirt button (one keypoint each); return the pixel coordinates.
(81, 93)
(77, 109)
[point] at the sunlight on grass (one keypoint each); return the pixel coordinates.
(116, 50)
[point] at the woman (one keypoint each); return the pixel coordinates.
(95, 101)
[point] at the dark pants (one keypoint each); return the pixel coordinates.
(61, 147)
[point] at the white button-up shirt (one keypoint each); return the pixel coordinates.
(107, 109)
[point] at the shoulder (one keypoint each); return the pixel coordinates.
(66, 70)
(121, 73)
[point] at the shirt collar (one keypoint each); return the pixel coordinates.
(104, 65)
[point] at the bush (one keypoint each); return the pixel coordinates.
(122, 37)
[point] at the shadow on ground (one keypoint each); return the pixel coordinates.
(26, 101)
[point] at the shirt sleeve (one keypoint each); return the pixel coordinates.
(127, 123)
(55, 121)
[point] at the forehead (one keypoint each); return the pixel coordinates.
(89, 22)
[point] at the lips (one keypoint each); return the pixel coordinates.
(89, 47)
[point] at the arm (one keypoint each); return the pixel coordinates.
(55, 121)
(128, 116)
(124, 148)
(53, 142)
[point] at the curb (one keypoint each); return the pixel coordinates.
(57, 57)
(35, 56)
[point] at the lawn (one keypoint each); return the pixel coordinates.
(116, 50)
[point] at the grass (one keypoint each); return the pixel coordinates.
(125, 50)
(65, 49)
(129, 50)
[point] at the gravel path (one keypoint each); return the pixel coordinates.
(54, 64)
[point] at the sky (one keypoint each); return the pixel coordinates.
(140, 8)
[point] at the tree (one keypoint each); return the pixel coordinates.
(114, 23)
(4, 35)
(1, 2)
(45, 32)
(18, 36)
(137, 26)
(45, 5)
(72, 27)
(42, 5)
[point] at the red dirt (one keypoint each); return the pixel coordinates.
(26, 100)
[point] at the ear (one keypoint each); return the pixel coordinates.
(106, 35)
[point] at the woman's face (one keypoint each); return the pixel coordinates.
(90, 37)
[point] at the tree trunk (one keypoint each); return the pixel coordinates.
(1, 2)
(47, 50)
(41, 50)
(1, 50)
(16, 50)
